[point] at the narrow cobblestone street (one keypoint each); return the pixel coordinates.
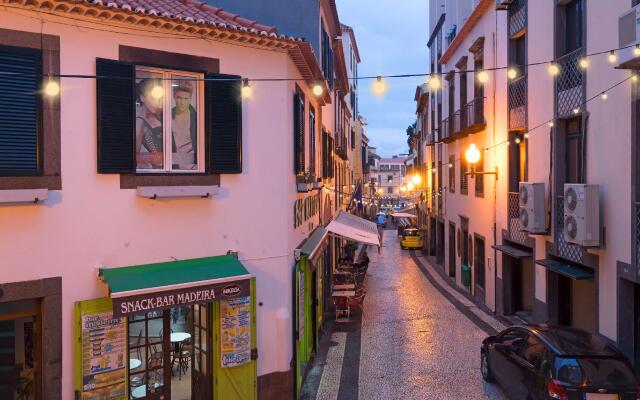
(417, 338)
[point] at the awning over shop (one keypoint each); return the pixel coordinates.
(568, 270)
(143, 288)
(355, 228)
(403, 215)
(513, 251)
(313, 246)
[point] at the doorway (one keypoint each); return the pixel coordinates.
(518, 274)
(20, 347)
(452, 250)
(170, 354)
(440, 244)
(564, 300)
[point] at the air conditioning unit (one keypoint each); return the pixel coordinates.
(503, 4)
(582, 214)
(628, 37)
(533, 216)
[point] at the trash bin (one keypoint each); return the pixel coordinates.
(466, 275)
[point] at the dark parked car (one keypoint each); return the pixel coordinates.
(536, 362)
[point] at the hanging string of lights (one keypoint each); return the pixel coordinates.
(603, 95)
(379, 86)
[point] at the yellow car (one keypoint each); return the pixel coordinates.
(411, 239)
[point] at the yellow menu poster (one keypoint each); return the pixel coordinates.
(235, 331)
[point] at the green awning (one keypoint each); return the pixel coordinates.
(513, 251)
(142, 288)
(315, 243)
(566, 269)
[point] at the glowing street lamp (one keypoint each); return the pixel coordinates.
(410, 186)
(416, 179)
(473, 156)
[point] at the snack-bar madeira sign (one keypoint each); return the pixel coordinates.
(162, 300)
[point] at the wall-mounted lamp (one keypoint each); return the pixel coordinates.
(473, 156)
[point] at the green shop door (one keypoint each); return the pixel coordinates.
(235, 370)
(303, 318)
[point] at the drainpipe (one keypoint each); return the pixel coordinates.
(495, 186)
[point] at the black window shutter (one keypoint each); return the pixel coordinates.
(116, 103)
(298, 133)
(223, 123)
(19, 110)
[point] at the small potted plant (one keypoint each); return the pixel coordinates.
(303, 182)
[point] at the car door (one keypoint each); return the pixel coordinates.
(504, 367)
(528, 360)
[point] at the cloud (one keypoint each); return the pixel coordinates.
(392, 40)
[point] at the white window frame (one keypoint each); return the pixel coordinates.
(167, 76)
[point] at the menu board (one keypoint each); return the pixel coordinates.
(103, 356)
(235, 331)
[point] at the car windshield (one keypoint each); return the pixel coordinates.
(595, 371)
(410, 232)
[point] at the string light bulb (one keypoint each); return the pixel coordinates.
(512, 73)
(317, 90)
(576, 110)
(472, 154)
(584, 63)
(550, 123)
(517, 140)
(554, 69)
(52, 88)
(604, 96)
(526, 135)
(157, 92)
(434, 82)
(636, 50)
(379, 87)
(612, 57)
(634, 78)
(483, 76)
(450, 165)
(246, 89)
(410, 186)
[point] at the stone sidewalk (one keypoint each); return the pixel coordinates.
(417, 339)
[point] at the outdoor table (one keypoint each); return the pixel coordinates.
(338, 272)
(344, 286)
(343, 293)
(141, 391)
(134, 363)
(177, 338)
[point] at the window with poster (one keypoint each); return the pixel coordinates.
(169, 121)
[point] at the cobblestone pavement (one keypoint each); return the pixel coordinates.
(415, 340)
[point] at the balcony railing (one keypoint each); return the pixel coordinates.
(517, 17)
(518, 103)
(341, 146)
(467, 120)
(560, 247)
(516, 234)
(569, 83)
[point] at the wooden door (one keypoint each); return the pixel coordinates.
(149, 344)
(201, 383)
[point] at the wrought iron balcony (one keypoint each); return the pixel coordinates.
(560, 247)
(516, 234)
(518, 103)
(570, 91)
(341, 146)
(467, 120)
(517, 17)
